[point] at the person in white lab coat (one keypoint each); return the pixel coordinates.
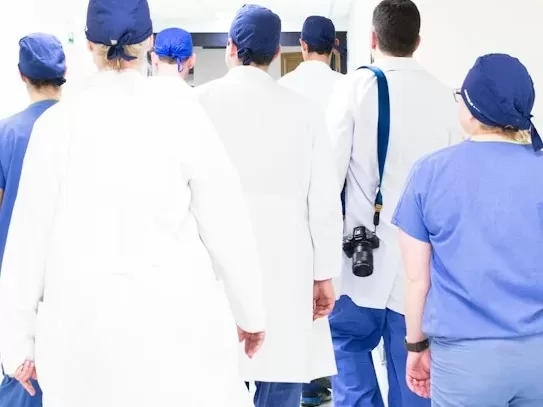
(423, 119)
(314, 78)
(173, 53)
(278, 142)
(107, 291)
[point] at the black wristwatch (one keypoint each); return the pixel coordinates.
(417, 347)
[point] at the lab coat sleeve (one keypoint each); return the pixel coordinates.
(340, 125)
(325, 215)
(24, 263)
(224, 225)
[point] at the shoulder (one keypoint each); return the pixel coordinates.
(433, 163)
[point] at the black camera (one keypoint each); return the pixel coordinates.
(359, 246)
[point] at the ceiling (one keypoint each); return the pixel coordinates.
(204, 15)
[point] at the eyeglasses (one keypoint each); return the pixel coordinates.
(457, 95)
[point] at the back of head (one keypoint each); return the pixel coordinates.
(42, 60)
(174, 46)
(256, 32)
(397, 27)
(499, 93)
(119, 29)
(319, 33)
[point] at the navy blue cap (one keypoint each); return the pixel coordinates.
(319, 32)
(255, 30)
(499, 92)
(174, 43)
(41, 57)
(117, 23)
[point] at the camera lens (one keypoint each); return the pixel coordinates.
(363, 261)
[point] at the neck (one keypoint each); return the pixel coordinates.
(495, 137)
(264, 68)
(320, 58)
(378, 54)
(45, 93)
(168, 70)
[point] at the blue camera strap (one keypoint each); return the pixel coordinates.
(383, 133)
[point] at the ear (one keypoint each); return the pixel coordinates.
(373, 40)
(232, 48)
(192, 61)
(154, 59)
(22, 77)
(304, 45)
(90, 46)
(417, 45)
(337, 42)
(278, 53)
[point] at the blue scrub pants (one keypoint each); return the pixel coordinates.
(487, 373)
(356, 331)
(278, 394)
(12, 394)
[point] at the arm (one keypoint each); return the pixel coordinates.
(416, 251)
(223, 219)
(325, 216)
(23, 268)
(416, 260)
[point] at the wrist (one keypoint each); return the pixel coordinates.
(418, 346)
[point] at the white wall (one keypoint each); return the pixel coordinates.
(455, 33)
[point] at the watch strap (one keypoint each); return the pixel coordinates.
(418, 346)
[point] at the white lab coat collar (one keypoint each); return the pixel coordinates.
(249, 73)
(398, 64)
(314, 65)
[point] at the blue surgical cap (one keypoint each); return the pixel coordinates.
(499, 92)
(319, 32)
(117, 23)
(41, 58)
(174, 43)
(255, 31)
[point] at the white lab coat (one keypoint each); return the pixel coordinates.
(279, 144)
(423, 119)
(314, 80)
(123, 188)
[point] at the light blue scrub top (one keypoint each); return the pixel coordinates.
(14, 136)
(480, 206)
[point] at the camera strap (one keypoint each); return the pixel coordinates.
(383, 133)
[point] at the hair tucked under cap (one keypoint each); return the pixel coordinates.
(42, 58)
(174, 43)
(117, 23)
(319, 32)
(499, 92)
(255, 30)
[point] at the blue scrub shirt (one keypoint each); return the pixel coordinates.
(14, 137)
(480, 206)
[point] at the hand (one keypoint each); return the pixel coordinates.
(253, 341)
(23, 375)
(418, 373)
(324, 299)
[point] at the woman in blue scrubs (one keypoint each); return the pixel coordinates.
(42, 66)
(471, 222)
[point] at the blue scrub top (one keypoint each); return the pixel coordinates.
(14, 136)
(480, 206)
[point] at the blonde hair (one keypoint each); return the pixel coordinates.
(137, 51)
(519, 136)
